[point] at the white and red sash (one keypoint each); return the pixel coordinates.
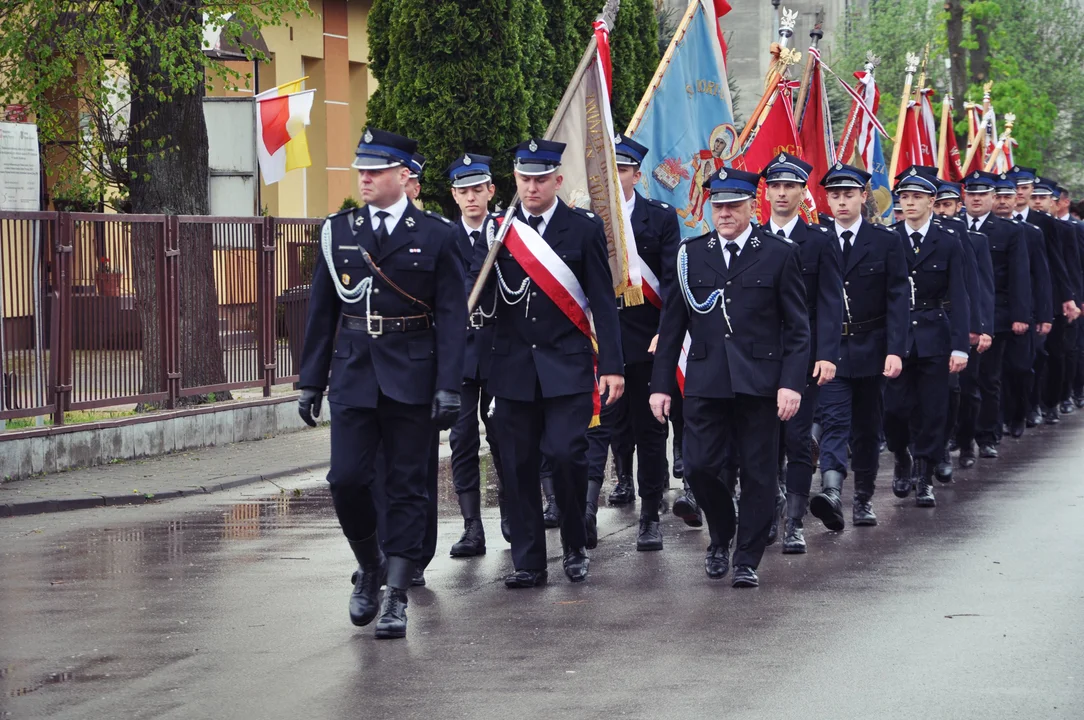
(558, 282)
(653, 294)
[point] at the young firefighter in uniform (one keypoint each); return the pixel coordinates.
(472, 190)
(1020, 350)
(741, 297)
(1012, 308)
(656, 234)
(1059, 256)
(549, 276)
(964, 395)
(937, 342)
(820, 258)
(386, 316)
(876, 310)
(1074, 372)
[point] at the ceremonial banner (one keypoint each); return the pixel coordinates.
(927, 130)
(281, 118)
(685, 117)
(589, 165)
(952, 169)
(910, 142)
(818, 144)
(776, 134)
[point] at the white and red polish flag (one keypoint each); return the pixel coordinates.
(280, 132)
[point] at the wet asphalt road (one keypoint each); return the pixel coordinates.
(198, 609)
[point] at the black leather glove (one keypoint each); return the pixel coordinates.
(308, 405)
(445, 408)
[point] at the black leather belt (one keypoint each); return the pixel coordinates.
(854, 328)
(477, 320)
(621, 303)
(378, 325)
(932, 305)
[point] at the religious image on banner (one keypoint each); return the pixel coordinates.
(685, 118)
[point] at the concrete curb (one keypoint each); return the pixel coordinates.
(38, 506)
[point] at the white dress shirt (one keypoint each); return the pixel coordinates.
(740, 240)
(980, 220)
(853, 228)
(395, 212)
(546, 216)
(784, 230)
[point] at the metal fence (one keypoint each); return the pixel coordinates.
(101, 310)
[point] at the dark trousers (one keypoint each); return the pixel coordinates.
(633, 425)
(851, 411)
(557, 428)
(1061, 339)
(1078, 375)
(796, 444)
(991, 371)
(1072, 353)
(970, 399)
(677, 419)
(380, 498)
(1017, 377)
(915, 404)
(466, 442)
(407, 435)
(752, 424)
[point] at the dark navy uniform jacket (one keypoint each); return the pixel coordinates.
(875, 282)
(534, 342)
(421, 256)
(480, 330)
(1073, 237)
(978, 274)
(1059, 256)
(822, 273)
(1012, 272)
(1042, 307)
(766, 344)
(939, 275)
(655, 227)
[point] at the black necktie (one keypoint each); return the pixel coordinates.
(1018, 216)
(782, 233)
(846, 235)
(475, 236)
(535, 221)
(974, 225)
(381, 232)
(916, 240)
(732, 248)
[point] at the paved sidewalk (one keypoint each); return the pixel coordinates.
(170, 476)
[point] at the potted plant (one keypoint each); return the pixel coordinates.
(108, 278)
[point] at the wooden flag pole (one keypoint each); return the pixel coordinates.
(1006, 137)
(815, 36)
(942, 141)
(664, 63)
(905, 99)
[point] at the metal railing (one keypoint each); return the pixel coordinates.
(100, 310)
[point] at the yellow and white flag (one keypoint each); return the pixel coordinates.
(281, 116)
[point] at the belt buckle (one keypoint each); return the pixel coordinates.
(379, 330)
(476, 320)
(621, 303)
(846, 328)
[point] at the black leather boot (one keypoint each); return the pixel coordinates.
(967, 456)
(506, 524)
(685, 507)
(372, 572)
(780, 505)
(793, 533)
(590, 518)
(943, 471)
(902, 484)
(679, 463)
(473, 540)
(862, 510)
(924, 484)
(827, 506)
(393, 619)
(551, 516)
(575, 562)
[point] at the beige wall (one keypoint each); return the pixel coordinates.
(332, 48)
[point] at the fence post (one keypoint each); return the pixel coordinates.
(169, 310)
(61, 368)
(265, 298)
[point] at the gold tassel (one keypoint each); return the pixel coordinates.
(634, 296)
(595, 421)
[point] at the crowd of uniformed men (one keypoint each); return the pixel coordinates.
(949, 330)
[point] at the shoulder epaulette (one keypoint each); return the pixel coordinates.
(342, 212)
(582, 211)
(879, 226)
(657, 203)
(765, 232)
(437, 216)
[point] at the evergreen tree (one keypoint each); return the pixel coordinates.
(634, 45)
(451, 75)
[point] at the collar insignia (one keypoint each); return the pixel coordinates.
(410, 222)
(359, 220)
